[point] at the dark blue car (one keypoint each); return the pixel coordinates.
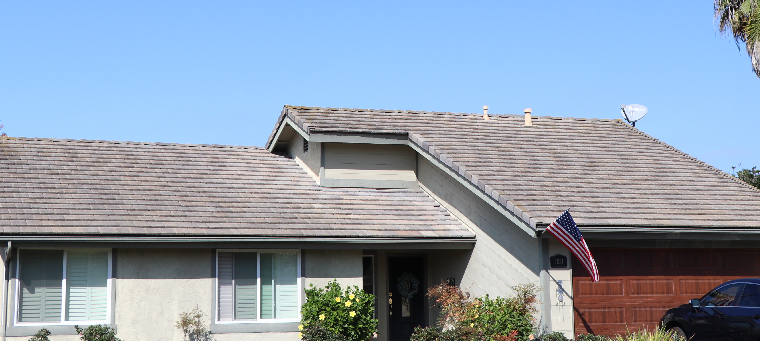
(731, 311)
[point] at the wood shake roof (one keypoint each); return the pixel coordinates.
(609, 173)
(77, 187)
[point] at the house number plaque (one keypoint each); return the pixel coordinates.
(558, 261)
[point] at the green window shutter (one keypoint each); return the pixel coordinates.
(245, 286)
(40, 278)
(224, 273)
(286, 285)
(86, 285)
(267, 286)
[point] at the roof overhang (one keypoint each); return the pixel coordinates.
(243, 242)
(663, 233)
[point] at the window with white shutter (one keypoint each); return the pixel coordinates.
(258, 286)
(63, 286)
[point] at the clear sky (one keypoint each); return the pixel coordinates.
(219, 72)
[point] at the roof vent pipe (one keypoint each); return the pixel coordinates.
(485, 113)
(528, 119)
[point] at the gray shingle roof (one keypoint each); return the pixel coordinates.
(607, 172)
(65, 187)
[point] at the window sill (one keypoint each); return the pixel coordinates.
(55, 329)
(254, 327)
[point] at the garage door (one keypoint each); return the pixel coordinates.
(637, 286)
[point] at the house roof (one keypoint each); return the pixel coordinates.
(608, 173)
(78, 187)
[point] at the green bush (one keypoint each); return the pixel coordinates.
(482, 318)
(97, 333)
(555, 336)
(338, 314)
(454, 334)
(41, 335)
(500, 316)
(591, 337)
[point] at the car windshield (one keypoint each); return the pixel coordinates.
(722, 297)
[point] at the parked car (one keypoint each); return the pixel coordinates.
(731, 311)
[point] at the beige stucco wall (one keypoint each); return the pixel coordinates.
(153, 286)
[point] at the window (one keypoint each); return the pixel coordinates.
(723, 296)
(750, 296)
(263, 286)
(63, 286)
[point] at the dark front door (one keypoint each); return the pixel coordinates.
(406, 296)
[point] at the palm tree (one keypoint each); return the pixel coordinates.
(742, 19)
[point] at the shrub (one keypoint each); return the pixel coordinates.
(482, 318)
(591, 337)
(555, 336)
(97, 333)
(336, 314)
(43, 334)
(646, 335)
(191, 324)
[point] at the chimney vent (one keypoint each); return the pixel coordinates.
(485, 113)
(528, 119)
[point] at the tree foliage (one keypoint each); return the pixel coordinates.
(742, 19)
(750, 176)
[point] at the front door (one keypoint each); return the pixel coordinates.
(406, 296)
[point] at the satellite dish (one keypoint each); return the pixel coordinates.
(633, 112)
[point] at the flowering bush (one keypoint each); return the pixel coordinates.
(336, 314)
(482, 318)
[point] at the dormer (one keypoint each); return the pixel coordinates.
(336, 159)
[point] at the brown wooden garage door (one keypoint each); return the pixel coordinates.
(637, 286)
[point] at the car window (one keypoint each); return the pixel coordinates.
(750, 296)
(722, 297)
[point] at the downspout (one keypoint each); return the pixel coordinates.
(6, 257)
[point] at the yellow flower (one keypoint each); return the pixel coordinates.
(348, 303)
(337, 299)
(476, 315)
(472, 325)
(300, 335)
(351, 297)
(357, 299)
(300, 327)
(321, 317)
(352, 314)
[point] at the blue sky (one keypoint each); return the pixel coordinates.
(220, 72)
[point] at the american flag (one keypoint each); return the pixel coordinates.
(567, 232)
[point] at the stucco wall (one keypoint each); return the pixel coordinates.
(312, 159)
(322, 266)
(504, 255)
(153, 286)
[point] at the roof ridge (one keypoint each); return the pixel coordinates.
(295, 107)
(702, 163)
(136, 143)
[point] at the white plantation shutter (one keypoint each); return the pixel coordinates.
(245, 286)
(86, 285)
(286, 285)
(40, 281)
(273, 277)
(224, 273)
